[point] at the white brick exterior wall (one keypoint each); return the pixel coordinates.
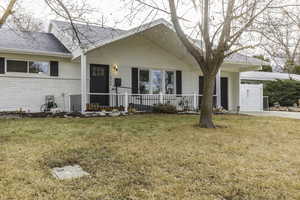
(28, 91)
(29, 94)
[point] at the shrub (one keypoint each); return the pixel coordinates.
(297, 70)
(164, 108)
(286, 92)
(266, 68)
(94, 107)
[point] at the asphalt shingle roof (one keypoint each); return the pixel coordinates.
(268, 76)
(241, 58)
(89, 34)
(31, 41)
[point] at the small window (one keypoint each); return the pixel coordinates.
(98, 71)
(144, 83)
(16, 66)
(39, 67)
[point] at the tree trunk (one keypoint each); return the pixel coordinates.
(206, 117)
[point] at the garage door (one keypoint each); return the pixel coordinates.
(252, 97)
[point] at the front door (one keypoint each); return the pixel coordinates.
(99, 83)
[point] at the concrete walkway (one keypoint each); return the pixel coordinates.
(292, 115)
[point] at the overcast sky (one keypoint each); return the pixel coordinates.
(112, 9)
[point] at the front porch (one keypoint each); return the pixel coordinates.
(139, 102)
(151, 69)
(104, 89)
(143, 102)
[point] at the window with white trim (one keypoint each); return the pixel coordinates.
(32, 67)
(156, 81)
(38, 67)
(169, 82)
(16, 66)
(144, 82)
(153, 81)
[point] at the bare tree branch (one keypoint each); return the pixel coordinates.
(7, 12)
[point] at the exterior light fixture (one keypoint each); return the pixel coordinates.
(115, 69)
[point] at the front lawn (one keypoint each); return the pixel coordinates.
(151, 157)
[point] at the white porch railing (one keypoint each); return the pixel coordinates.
(142, 102)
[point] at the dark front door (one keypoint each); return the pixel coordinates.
(224, 92)
(99, 83)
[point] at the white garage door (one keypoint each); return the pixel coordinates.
(252, 97)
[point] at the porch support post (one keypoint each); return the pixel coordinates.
(161, 98)
(195, 101)
(126, 101)
(83, 81)
(218, 88)
(238, 91)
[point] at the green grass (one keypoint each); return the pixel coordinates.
(151, 157)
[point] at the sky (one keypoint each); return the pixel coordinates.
(113, 10)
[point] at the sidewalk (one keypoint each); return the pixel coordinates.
(292, 115)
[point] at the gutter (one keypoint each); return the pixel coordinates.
(33, 52)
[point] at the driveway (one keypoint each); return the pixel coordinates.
(293, 115)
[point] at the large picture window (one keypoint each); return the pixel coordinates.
(156, 81)
(35, 67)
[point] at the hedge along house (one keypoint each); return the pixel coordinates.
(148, 63)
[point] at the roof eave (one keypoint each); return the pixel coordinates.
(32, 52)
(244, 67)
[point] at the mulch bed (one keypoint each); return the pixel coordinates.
(18, 115)
(10, 115)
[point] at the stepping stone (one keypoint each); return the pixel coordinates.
(69, 172)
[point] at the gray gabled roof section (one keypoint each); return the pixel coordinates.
(239, 58)
(89, 35)
(268, 76)
(31, 42)
(243, 59)
(95, 37)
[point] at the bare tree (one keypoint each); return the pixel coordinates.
(70, 12)
(6, 11)
(76, 13)
(25, 21)
(281, 30)
(222, 27)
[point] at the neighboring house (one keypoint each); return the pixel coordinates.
(150, 62)
(252, 97)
